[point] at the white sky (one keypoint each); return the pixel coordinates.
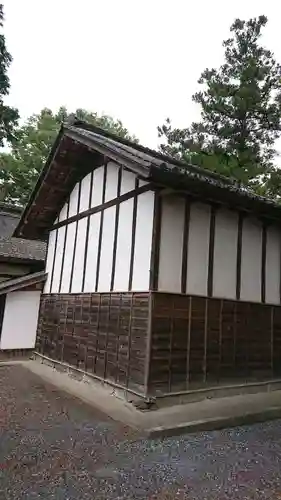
(137, 60)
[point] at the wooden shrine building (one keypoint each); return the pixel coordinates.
(161, 276)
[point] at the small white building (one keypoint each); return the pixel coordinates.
(161, 276)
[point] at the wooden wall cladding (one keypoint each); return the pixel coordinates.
(102, 333)
(196, 341)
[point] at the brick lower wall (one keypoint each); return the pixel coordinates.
(103, 334)
(197, 341)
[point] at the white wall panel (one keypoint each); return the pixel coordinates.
(97, 189)
(124, 244)
(50, 260)
(85, 193)
(171, 244)
(106, 256)
(198, 249)
(143, 241)
(58, 260)
(251, 260)
(78, 268)
(63, 213)
(20, 320)
(273, 271)
(93, 241)
(68, 257)
(73, 201)
(111, 181)
(225, 254)
(127, 182)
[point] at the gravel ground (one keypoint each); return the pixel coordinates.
(52, 446)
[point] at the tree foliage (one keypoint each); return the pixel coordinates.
(8, 116)
(240, 113)
(19, 169)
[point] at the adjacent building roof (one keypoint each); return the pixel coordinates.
(80, 147)
(16, 249)
(15, 284)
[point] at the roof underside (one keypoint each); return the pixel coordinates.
(81, 148)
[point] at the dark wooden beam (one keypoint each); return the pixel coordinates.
(185, 245)
(156, 237)
(104, 205)
(101, 229)
(116, 229)
(239, 254)
(135, 207)
(211, 251)
(263, 261)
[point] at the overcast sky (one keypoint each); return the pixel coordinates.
(137, 60)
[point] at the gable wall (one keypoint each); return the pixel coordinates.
(209, 252)
(109, 250)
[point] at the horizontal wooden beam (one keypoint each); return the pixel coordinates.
(103, 206)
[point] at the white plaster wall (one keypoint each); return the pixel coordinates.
(97, 190)
(63, 213)
(273, 271)
(78, 267)
(58, 260)
(111, 181)
(106, 256)
(91, 264)
(20, 320)
(85, 193)
(50, 260)
(225, 254)
(127, 182)
(198, 249)
(143, 241)
(73, 201)
(67, 265)
(171, 244)
(124, 244)
(251, 260)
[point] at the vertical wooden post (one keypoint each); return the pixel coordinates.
(188, 343)
(155, 247)
(263, 262)
(205, 340)
(239, 255)
(211, 252)
(148, 344)
(171, 343)
(272, 339)
(220, 340)
(185, 245)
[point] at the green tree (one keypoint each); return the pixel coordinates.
(19, 169)
(8, 116)
(240, 113)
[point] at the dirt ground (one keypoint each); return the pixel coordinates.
(53, 446)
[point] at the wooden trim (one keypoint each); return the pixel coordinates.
(263, 261)
(155, 246)
(185, 245)
(211, 251)
(87, 233)
(148, 345)
(239, 254)
(104, 205)
(101, 230)
(116, 229)
(75, 240)
(54, 259)
(2, 310)
(135, 208)
(64, 246)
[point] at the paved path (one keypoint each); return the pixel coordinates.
(52, 446)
